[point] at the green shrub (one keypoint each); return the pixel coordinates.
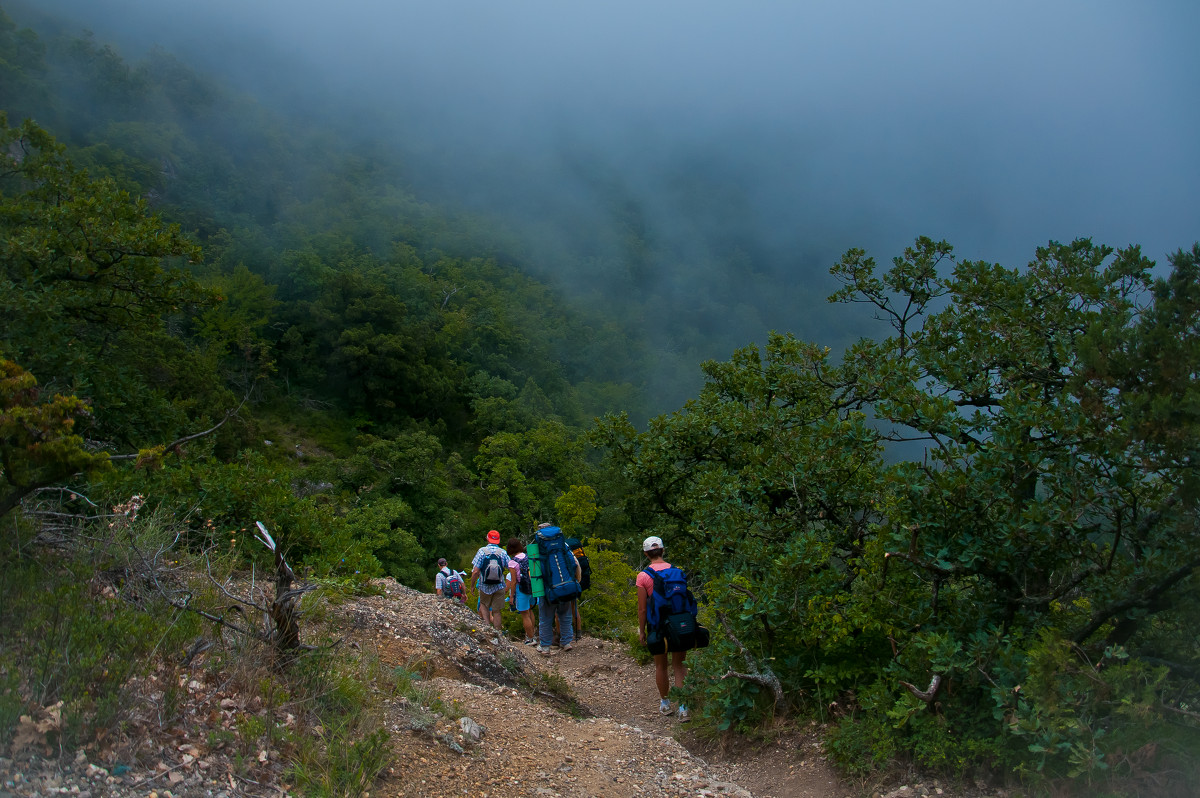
(67, 639)
(608, 609)
(222, 501)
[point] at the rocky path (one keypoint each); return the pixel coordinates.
(613, 685)
(547, 728)
(491, 718)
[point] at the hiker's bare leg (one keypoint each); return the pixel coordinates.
(678, 666)
(575, 615)
(527, 619)
(493, 605)
(660, 674)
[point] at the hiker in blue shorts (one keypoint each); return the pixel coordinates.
(520, 592)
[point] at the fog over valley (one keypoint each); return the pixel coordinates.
(718, 156)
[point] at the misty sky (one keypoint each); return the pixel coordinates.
(997, 126)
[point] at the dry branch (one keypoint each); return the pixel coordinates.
(762, 676)
(935, 684)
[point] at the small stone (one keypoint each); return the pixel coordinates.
(471, 729)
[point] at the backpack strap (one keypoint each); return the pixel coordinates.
(660, 587)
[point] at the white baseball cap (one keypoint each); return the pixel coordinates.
(651, 543)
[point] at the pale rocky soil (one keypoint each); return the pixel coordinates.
(575, 724)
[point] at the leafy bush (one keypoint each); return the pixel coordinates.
(608, 608)
(219, 502)
(1035, 566)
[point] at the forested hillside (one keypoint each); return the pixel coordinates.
(285, 273)
(236, 318)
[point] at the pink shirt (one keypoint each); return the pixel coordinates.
(644, 580)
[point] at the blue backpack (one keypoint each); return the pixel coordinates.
(492, 570)
(558, 574)
(671, 609)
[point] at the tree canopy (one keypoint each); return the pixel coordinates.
(1047, 524)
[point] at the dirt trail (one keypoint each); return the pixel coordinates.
(611, 684)
(490, 718)
(617, 744)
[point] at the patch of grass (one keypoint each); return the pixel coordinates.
(552, 686)
(11, 704)
(346, 745)
(220, 738)
(403, 681)
(347, 762)
(452, 711)
(422, 665)
(75, 629)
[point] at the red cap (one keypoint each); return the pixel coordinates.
(493, 536)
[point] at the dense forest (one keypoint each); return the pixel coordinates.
(238, 318)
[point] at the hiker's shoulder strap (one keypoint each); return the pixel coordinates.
(659, 586)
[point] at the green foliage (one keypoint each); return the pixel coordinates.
(416, 484)
(575, 509)
(608, 608)
(38, 442)
(220, 502)
(64, 640)
(22, 67)
(1051, 518)
(84, 291)
(524, 474)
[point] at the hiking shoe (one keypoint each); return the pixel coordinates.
(568, 647)
(543, 649)
(683, 713)
(529, 641)
(664, 706)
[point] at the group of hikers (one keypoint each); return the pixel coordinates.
(550, 575)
